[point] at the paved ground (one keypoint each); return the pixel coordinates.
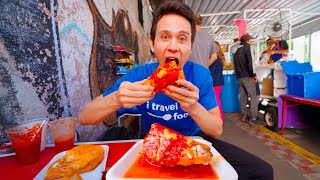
(294, 156)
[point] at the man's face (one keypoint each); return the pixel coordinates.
(172, 40)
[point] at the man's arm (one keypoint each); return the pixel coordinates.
(128, 95)
(209, 121)
(213, 51)
(283, 48)
(213, 57)
(248, 54)
(251, 67)
(285, 51)
(99, 109)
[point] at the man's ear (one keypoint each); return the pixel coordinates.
(151, 44)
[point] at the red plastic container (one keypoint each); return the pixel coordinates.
(26, 140)
(63, 132)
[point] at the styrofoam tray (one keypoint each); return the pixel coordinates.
(219, 164)
(94, 174)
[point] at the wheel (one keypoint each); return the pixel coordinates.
(271, 118)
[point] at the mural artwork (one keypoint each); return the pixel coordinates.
(34, 78)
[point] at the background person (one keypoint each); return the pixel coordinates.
(247, 79)
(279, 50)
(216, 69)
(265, 57)
(189, 110)
(204, 52)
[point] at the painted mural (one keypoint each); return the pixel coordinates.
(57, 55)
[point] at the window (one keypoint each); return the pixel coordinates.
(300, 48)
(315, 55)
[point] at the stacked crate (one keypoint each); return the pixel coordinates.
(279, 80)
(301, 81)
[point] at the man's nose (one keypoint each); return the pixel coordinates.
(173, 45)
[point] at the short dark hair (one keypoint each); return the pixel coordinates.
(173, 7)
(245, 38)
(198, 19)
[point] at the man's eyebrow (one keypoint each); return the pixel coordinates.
(185, 32)
(181, 32)
(163, 31)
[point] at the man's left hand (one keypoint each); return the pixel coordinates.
(187, 95)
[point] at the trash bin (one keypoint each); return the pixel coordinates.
(230, 99)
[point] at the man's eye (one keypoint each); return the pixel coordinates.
(164, 37)
(182, 39)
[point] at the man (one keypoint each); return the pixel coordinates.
(247, 79)
(204, 50)
(191, 109)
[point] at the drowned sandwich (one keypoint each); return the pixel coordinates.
(165, 147)
(165, 75)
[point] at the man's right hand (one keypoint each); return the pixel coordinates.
(254, 79)
(134, 94)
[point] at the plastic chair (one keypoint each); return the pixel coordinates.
(122, 112)
(127, 112)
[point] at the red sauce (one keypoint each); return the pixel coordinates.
(27, 146)
(64, 144)
(142, 169)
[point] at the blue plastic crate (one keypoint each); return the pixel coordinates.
(304, 84)
(293, 67)
(301, 81)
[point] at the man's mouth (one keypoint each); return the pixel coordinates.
(169, 59)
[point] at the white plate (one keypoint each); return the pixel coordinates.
(94, 174)
(219, 164)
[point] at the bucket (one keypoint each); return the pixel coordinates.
(230, 99)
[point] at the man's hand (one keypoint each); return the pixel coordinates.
(254, 79)
(134, 94)
(271, 52)
(187, 95)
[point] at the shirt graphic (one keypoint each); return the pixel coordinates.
(156, 108)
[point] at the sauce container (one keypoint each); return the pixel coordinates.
(26, 141)
(63, 133)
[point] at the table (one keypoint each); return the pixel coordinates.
(11, 169)
(288, 105)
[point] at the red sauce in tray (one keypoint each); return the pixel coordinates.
(142, 169)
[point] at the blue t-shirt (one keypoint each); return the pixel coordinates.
(165, 110)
